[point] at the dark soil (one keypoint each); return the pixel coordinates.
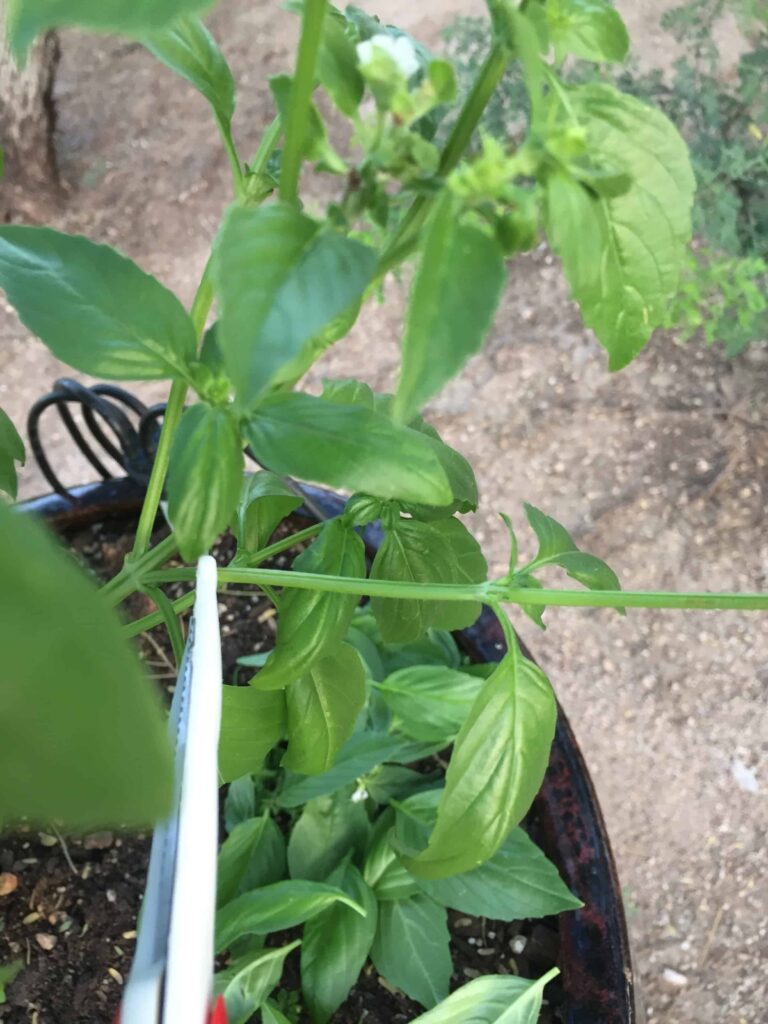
(71, 914)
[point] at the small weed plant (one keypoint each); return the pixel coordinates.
(328, 826)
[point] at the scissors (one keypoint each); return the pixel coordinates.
(171, 979)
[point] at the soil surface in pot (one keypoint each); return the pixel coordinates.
(68, 905)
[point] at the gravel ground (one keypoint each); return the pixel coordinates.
(662, 470)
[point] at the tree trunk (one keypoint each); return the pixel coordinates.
(27, 121)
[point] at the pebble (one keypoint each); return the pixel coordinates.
(98, 841)
(518, 944)
(744, 777)
(8, 883)
(45, 941)
(115, 974)
(674, 978)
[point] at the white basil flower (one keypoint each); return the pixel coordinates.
(399, 48)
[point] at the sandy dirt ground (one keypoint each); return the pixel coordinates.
(662, 470)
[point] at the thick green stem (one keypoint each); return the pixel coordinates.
(173, 411)
(635, 599)
(258, 557)
(167, 611)
(175, 407)
(127, 580)
(333, 584)
(301, 97)
(181, 604)
(492, 593)
(488, 78)
(487, 81)
(225, 129)
(166, 549)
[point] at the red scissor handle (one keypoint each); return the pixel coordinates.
(218, 1016)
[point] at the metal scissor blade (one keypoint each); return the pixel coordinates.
(170, 980)
(152, 942)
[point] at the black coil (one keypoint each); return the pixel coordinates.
(130, 438)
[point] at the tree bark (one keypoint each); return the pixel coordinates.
(27, 118)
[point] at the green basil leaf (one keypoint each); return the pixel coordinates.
(272, 1014)
(392, 782)
(71, 748)
(455, 293)
(337, 64)
(426, 552)
(517, 882)
(526, 1008)
(210, 354)
(383, 870)
(274, 908)
(247, 983)
(497, 766)
(8, 973)
(93, 308)
(535, 612)
(436, 647)
(366, 648)
(269, 862)
(189, 49)
(313, 623)
(316, 145)
(430, 702)
(11, 451)
(589, 29)
(27, 18)
(322, 708)
(346, 446)
(359, 755)
(553, 537)
(252, 723)
(589, 570)
(336, 945)
(265, 501)
(328, 829)
(411, 948)
(240, 802)
(292, 371)
(250, 841)
(493, 999)
(204, 477)
(461, 476)
(281, 279)
(623, 255)
(557, 547)
(366, 25)
(349, 392)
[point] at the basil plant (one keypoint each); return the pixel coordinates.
(373, 856)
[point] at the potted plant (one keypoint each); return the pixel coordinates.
(319, 749)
